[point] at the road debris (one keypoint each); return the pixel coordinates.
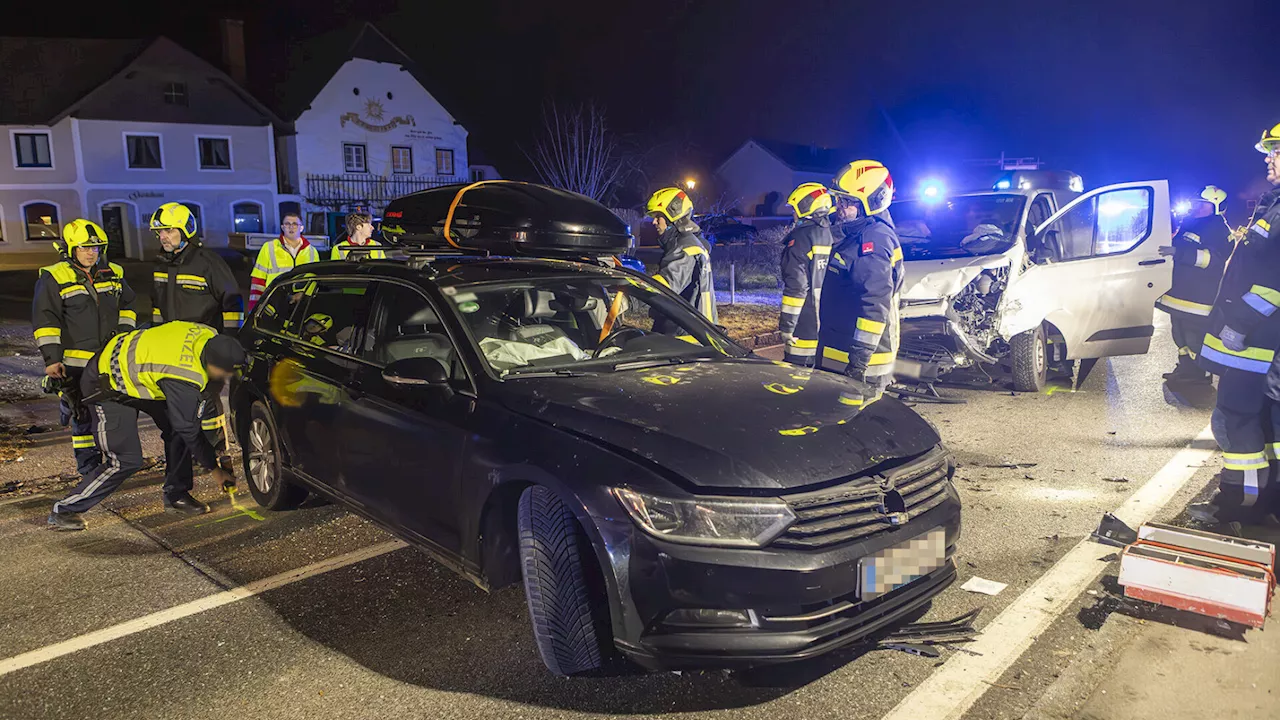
(1120, 479)
(1113, 531)
(1010, 465)
(976, 584)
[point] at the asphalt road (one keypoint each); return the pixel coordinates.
(396, 635)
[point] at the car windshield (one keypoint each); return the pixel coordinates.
(567, 325)
(961, 226)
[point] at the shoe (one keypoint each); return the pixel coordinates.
(65, 522)
(185, 505)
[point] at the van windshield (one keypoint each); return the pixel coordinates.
(960, 226)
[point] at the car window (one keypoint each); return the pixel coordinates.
(408, 325)
(1105, 224)
(335, 315)
(275, 314)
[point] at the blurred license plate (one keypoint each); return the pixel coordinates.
(896, 566)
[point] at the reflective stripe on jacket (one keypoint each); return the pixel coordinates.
(73, 316)
(274, 260)
(1249, 299)
(195, 285)
(134, 363)
(805, 253)
(858, 329)
(686, 269)
(1200, 252)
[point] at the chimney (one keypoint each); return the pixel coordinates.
(233, 49)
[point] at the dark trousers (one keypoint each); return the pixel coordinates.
(88, 456)
(1246, 424)
(213, 416)
(802, 348)
(1188, 335)
(115, 427)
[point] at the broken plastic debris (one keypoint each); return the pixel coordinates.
(1120, 479)
(976, 584)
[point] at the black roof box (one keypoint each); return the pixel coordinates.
(505, 218)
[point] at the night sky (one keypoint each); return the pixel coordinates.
(1117, 90)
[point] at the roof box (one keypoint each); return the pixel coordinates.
(505, 218)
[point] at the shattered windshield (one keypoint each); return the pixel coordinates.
(961, 226)
(576, 324)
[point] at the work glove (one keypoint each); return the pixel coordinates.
(1232, 340)
(786, 337)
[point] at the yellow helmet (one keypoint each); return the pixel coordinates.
(324, 322)
(811, 199)
(80, 233)
(1270, 140)
(1215, 195)
(174, 215)
(869, 182)
(671, 203)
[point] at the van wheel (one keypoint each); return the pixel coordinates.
(563, 586)
(262, 463)
(1030, 358)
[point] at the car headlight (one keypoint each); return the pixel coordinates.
(722, 522)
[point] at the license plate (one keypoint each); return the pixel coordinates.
(896, 566)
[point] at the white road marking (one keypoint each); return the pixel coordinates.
(963, 678)
(156, 619)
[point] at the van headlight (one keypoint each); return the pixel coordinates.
(722, 522)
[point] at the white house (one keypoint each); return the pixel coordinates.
(762, 173)
(111, 129)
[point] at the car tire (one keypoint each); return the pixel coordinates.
(562, 586)
(262, 463)
(1030, 359)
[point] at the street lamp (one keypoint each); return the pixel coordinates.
(690, 183)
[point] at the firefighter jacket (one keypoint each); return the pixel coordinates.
(342, 249)
(165, 363)
(686, 268)
(1249, 297)
(274, 260)
(76, 311)
(194, 284)
(805, 252)
(1200, 252)
(858, 317)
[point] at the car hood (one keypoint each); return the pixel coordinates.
(938, 279)
(743, 423)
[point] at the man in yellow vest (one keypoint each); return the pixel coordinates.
(279, 256)
(78, 305)
(160, 371)
(359, 235)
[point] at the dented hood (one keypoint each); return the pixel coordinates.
(743, 423)
(938, 279)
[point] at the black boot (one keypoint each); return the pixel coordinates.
(185, 505)
(65, 522)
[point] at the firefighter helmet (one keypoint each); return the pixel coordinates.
(1214, 195)
(1270, 141)
(868, 182)
(811, 199)
(176, 216)
(80, 233)
(671, 203)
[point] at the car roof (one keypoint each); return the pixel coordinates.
(446, 271)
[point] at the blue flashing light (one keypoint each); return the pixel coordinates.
(932, 190)
(1182, 207)
(1003, 185)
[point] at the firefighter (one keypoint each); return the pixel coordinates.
(858, 317)
(805, 252)
(359, 234)
(160, 371)
(1241, 344)
(1200, 250)
(686, 264)
(194, 284)
(78, 305)
(279, 256)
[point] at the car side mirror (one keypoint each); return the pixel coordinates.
(417, 371)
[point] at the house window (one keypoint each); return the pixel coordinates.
(175, 93)
(144, 152)
(42, 221)
(215, 153)
(444, 162)
(353, 158)
(477, 174)
(246, 217)
(402, 160)
(32, 150)
(195, 213)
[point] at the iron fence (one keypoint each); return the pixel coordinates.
(339, 191)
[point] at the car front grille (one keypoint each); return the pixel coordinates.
(867, 504)
(928, 349)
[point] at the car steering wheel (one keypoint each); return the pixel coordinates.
(613, 336)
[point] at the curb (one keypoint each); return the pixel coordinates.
(764, 340)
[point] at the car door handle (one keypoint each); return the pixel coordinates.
(1152, 262)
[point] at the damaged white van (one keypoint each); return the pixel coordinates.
(1032, 275)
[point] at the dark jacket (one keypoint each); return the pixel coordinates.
(182, 407)
(805, 252)
(195, 284)
(858, 317)
(1200, 252)
(686, 268)
(74, 311)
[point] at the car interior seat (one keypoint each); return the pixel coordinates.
(531, 318)
(418, 335)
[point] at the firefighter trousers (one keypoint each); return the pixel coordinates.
(1246, 424)
(1188, 335)
(86, 451)
(115, 428)
(802, 346)
(213, 415)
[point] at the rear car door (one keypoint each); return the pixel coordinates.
(1100, 271)
(403, 445)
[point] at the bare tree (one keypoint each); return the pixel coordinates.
(577, 152)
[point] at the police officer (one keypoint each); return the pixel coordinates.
(1240, 346)
(193, 283)
(160, 371)
(858, 316)
(1200, 251)
(279, 256)
(359, 234)
(805, 252)
(685, 266)
(79, 304)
